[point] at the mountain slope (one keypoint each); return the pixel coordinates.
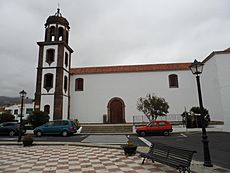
(5, 101)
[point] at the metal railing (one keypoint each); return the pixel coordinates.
(142, 119)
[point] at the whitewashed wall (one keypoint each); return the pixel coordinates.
(90, 105)
(48, 100)
(65, 108)
(223, 66)
(216, 88)
(211, 90)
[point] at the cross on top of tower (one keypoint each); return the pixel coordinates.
(58, 12)
(57, 18)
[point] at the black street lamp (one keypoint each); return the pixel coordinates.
(197, 68)
(22, 95)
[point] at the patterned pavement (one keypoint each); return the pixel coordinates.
(67, 158)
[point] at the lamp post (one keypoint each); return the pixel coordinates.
(22, 95)
(197, 68)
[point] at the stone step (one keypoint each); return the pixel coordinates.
(107, 128)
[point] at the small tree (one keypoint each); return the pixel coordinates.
(6, 116)
(152, 106)
(37, 118)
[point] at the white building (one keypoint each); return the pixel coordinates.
(16, 110)
(89, 93)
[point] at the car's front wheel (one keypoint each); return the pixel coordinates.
(12, 133)
(64, 133)
(39, 133)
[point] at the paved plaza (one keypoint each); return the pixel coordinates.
(106, 139)
(63, 158)
(66, 158)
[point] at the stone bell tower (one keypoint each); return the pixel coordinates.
(53, 71)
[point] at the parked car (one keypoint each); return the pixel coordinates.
(57, 127)
(155, 127)
(11, 128)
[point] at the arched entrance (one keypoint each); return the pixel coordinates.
(116, 111)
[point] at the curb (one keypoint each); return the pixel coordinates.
(63, 143)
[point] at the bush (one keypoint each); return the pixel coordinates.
(193, 118)
(6, 116)
(38, 118)
(27, 140)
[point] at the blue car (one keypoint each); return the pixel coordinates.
(57, 127)
(11, 128)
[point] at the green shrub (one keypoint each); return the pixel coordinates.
(38, 118)
(193, 118)
(6, 116)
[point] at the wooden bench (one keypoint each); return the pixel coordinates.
(175, 157)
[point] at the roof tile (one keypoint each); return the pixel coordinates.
(130, 68)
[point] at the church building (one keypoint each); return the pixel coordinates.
(96, 94)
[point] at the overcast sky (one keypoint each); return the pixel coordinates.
(110, 32)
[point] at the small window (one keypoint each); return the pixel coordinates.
(52, 33)
(79, 83)
(15, 111)
(173, 81)
(48, 81)
(47, 109)
(50, 56)
(65, 83)
(50, 123)
(57, 123)
(161, 123)
(60, 33)
(66, 59)
(152, 124)
(52, 30)
(29, 110)
(60, 123)
(10, 124)
(64, 123)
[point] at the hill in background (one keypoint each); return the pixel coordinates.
(7, 101)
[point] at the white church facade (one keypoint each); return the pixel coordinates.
(91, 93)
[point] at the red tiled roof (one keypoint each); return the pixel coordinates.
(131, 68)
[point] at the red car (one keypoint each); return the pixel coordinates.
(155, 127)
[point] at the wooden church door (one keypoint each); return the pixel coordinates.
(116, 111)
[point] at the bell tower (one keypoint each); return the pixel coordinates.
(53, 71)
